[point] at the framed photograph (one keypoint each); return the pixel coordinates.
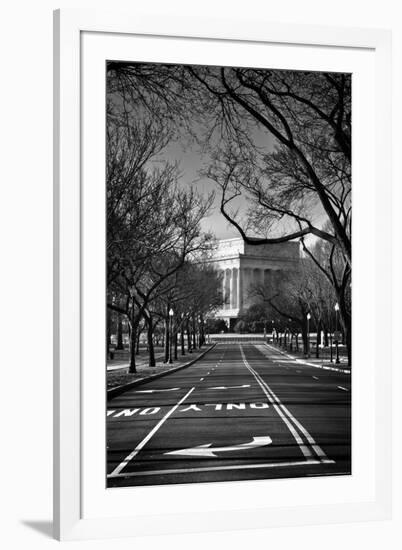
(216, 364)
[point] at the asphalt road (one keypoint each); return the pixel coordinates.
(242, 412)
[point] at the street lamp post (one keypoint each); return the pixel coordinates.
(336, 333)
(170, 334)
(182, 335)
(308, 334)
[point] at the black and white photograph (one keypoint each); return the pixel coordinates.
(228, 338)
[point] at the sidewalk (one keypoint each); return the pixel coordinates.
(141, 361)
(321, 363)
(118, 375)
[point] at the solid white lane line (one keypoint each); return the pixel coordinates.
(140, 445)
(319, 452)
(301, 362)
(308, 462)
(304, 449)
(317, 449)
(342, 388)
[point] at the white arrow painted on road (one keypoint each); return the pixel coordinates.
(153, 391)
(207, 450)
(229, 387)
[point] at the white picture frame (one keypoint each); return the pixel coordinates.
(82, 508)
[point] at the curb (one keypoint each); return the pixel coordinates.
(121, 367)
(118, 390)
(336, 369)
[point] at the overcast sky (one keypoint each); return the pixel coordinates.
(191, 162)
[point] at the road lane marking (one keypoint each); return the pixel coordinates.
(142, 443)
(229, 406)
(192, 407)
(201, 379)
(154, 391)
(304, 449)
(342, 388)
(315, 377)
(317, 366)
(308, 462)
(317, 449)
(229, 387)
(127, 413)
(208, 450)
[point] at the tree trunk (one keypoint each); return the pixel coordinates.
(318, 341)
(201, 329)
(194, 336)
(137, 343)
(348, 337)
(175, 344)
(182, 339)
(133, 326)
(347, 329)
(108, 333)
(346, 321)
(188, 338)
(305, 339)
(150, 338)
(119, 332)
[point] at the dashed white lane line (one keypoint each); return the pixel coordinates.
(342, 388)
(201, 379)
(142, 443)
(315, 377)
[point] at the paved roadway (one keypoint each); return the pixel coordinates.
(244, 411)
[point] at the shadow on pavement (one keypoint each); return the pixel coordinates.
(43, 527)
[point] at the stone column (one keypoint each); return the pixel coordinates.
(231, 289)
(257, 277)
(235, 284)
(267, 280)
(227, 288)
(245, 286)
(240, 277)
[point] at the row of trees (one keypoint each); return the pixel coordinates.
(279, 139)
(155, 246)
(297, 295)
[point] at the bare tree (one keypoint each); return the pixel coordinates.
(307, 117)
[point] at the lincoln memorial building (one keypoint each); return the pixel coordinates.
(244, 266)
